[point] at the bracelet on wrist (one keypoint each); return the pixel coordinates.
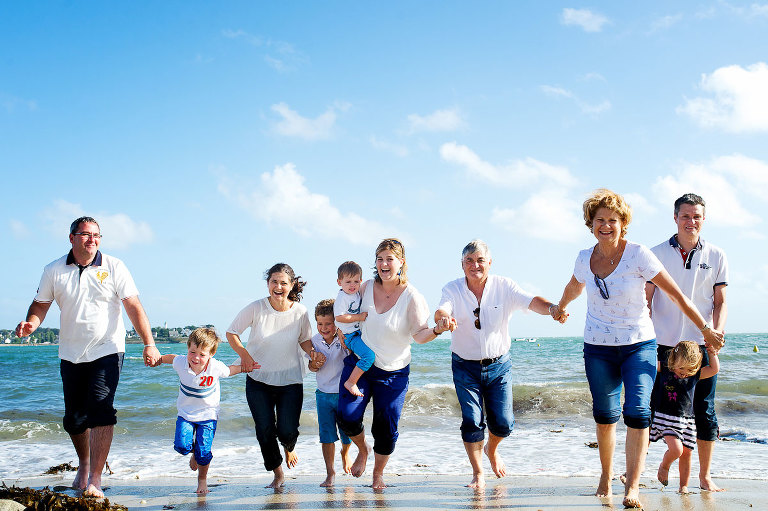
(705, 327)
(434, 331)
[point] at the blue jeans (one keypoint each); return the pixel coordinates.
(488, 386)
(327, 417)
(195, 437)
(607, 368)
(387, 389)
(707, 427)
(275, 410)
(354, 342)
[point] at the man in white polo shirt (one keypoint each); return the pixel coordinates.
(700, 269)
(89, 287)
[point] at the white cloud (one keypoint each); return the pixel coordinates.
(281, 56)
(517, 174)
(18, 229)
(12, 103)
(551, 214)
(294, 125)
(118, 229)
(665, 22)
(439, 120)
(383, 145)
(740, 102)
(584, 18)
(283, 198)
(729, 184)
(586, 108)
(638, 203)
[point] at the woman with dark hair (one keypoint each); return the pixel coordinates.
(619, 339)
(280, 335)
(397, 316)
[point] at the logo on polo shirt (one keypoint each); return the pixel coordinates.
(101, 275)
(705, 266)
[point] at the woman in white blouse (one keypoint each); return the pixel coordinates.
(397, 315)
(619, 340)
(280, 335)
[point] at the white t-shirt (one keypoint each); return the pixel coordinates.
(91, 305)
(706, 268)
(623, 318)
(274, 340)
(501, 297)
(390, 334)
(199, 394)
(329, 375)
(347, 304)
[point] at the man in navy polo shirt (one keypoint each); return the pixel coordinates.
(89, 288)
(701, 271)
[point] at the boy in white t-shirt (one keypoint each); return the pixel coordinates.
(346, 310)
(328, 371)
(198, 400)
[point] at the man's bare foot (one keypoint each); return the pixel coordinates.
(279, 479)
(478, 481)
(497, 464)
(352, 388)
(358, 467)
(604, 486)
(202, 487)
(93, 491)
(192, 463)
(328, 480)
(706, 484)
(290, 458)
(81, 478)
(683, 490)
(346, 459)
(632, 500)
(663, 475)
(378, 482)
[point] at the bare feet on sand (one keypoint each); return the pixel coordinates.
(346, 459)
(202, 487)
(352, 388)
(707, 484)
(604, 486)
(279, 479)
(478, 481)
(358, 467)
(683, 490)
(378, 482)
(81, 478)
(192, 463)
(497, 464)
(663, 475)
(632, 500)
(93, 491)
(290, 458)
(329, 479)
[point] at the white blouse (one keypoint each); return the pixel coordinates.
(390, 334)
(274, 340)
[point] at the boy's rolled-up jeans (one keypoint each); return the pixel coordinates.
(195, 437)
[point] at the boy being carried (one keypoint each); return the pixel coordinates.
(198, 401)
(346, 310)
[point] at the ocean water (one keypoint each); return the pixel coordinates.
(551, 400)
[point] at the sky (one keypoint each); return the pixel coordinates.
(213, 140)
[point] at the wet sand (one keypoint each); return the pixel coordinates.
(410, 492)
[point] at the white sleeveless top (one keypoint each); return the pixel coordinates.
(390, 334)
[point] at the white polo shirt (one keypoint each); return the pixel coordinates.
(329, 375)
(705, 268)
(91, 305)
(199, 394)
(501, 297)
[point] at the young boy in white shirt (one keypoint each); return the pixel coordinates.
(198, 401)
(328, 369)
(346, 310)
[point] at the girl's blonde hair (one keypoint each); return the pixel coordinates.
(686, 356)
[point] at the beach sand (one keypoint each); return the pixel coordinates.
(410, 492)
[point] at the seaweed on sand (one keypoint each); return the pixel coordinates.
(46, 499)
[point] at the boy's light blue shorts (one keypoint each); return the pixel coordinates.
(327, 418)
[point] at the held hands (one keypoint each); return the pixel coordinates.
(445, 324)
(247, 362)
(152, 357)
(316, 360)
(362, 316)
(558, 313)
(714, 338)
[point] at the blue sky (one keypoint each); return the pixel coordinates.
(213, 140)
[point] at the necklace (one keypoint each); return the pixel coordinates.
(611, 258)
